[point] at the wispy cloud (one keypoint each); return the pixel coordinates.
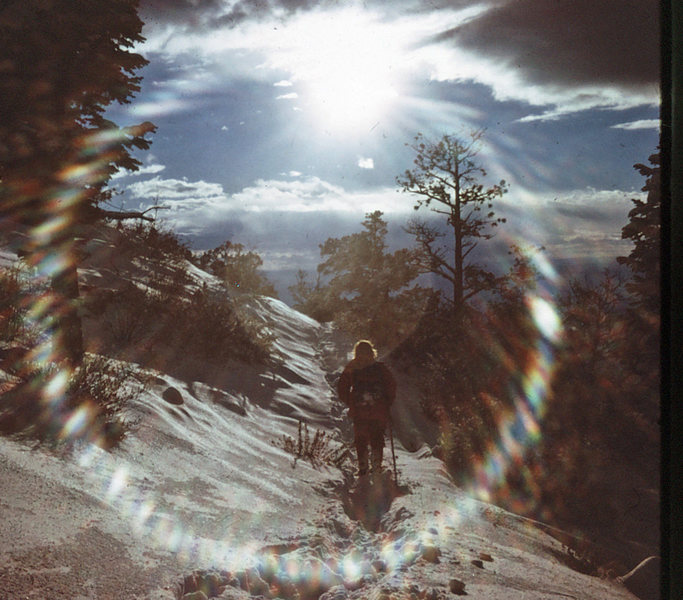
(209, 202)
(312, 194)
(145, 170)
(176, 191)
(565, 56)
(641, 124)
(366, 163)
(582, 223)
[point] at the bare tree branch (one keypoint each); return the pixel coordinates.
(117, 215)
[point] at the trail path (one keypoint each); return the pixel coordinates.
(202, 493)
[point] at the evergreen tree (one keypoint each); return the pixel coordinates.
(312, 299)
(445, 179)
(644, 230)
(644, 287)
(63, 62)
(368, 289)
(237, 267)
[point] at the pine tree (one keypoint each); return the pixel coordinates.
(63, 62)
(644, 230)
(369, 289)
(237, 267)
(445, 179)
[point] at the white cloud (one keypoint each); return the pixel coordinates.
(290, 96)
(175, 189)
(366, 163)
(276, 260)
(206, 203)
(642, 124)
(311, 44)
(302, 195)
(312, 194)
(224, 128)
(147, 170)
(450, 63)
(583, 223)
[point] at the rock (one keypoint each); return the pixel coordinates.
(477, 563)
(195, 596)
(431, 553)
(190, 583)
(254, 584)
(379, 565)
(286, 589)
(336, 593)
(172, 396)
(485, 557)
(214, 584)
(457, 587)
(434, 594)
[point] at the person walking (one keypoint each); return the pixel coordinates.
(368, 388)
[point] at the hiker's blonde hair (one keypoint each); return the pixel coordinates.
(364, 346)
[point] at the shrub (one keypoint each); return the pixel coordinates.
(54, 405)
(11, 315)
(16, 292)
(318, 449)
(159, 243)
(103, 388)
(151, 325)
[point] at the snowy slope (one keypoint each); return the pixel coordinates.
(202, 484)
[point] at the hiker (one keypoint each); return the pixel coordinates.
(368, 388)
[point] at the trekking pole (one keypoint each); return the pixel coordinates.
(393, 453)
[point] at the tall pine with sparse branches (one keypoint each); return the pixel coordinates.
(446, 179)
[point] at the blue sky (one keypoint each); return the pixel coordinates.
(282, 122)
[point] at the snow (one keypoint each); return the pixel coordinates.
(206, 485)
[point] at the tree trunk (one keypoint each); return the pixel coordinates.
(68, 327)
(458, 283)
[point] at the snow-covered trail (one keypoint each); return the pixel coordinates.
(202, 484)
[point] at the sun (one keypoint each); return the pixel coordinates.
(348, 69)
(353, 96)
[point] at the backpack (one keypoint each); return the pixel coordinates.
(368, 390)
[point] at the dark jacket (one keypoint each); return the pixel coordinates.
(357, 376)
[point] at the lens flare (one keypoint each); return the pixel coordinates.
(77, 423)
(351, 569)
(518, 429)
(119, 481)
(53, 252)
(546, 318)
